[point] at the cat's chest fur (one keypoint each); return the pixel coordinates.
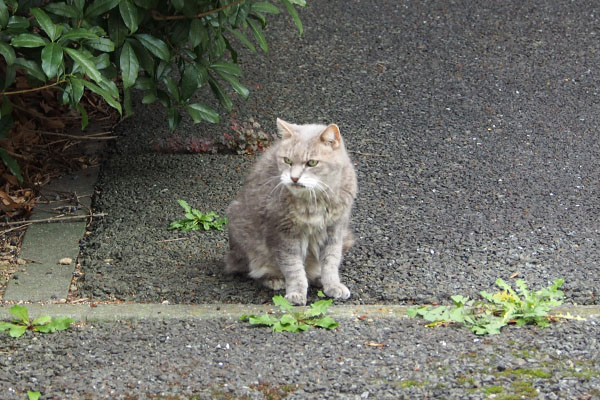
(313, 217)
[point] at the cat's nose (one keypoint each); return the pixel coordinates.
(294, 179)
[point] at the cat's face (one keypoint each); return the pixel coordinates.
(309, 158)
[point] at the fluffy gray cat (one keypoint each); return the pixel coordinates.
(289, 223)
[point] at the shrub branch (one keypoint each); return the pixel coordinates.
(159, 17)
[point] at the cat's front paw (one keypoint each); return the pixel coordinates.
(337, 291)
(296, 298)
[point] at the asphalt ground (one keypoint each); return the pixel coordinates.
(473, 129)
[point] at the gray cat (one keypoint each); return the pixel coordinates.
(289, 224)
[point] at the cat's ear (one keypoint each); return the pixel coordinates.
(286, 130)
(331, 136)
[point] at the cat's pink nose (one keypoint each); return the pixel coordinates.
(294, 179)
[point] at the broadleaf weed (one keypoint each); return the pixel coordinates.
(195, 220)
(20, 323)
(508, 306)
(293, 320)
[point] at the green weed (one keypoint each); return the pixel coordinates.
(509, 306)
(19, 325)
(293, 320)
(195, 220)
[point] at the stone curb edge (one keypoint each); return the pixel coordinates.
(165, 312)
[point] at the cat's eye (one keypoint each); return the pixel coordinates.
(312, 163)
(287, 160)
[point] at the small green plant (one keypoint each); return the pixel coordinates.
(293, 320)
(195, 220)
(508, 306)
(33, 395)
(45, 324)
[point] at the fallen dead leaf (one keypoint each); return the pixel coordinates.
(373, 344)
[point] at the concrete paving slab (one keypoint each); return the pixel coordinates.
(43, 278)
(189, 312)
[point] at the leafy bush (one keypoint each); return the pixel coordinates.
(167, 49)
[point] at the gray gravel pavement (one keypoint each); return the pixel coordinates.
(481, 124)
(226, 359)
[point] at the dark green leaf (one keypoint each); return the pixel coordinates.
(200, 112)
(146, 4)
(3, 14)
(28, 40)
(84, 116)
(172, 88)
(260, 18)
(102, 44)
(86, 63)
(17, 23)
(105, 95)
(129, 65)
(218, 47)
(198, 33)
(11, 164)
(52, 57)
(265, 7)
(145, 83)
(174, 118)
(190, 81)
(129, 13)
(79, 4)
(227, 68)
(220, 93)
(145, 58)
(62, 9)
(32, 68)
(110, 87)
(240, 14)
(20, 312)
(77, 34)
(154, 46)
(236, 85)
(116, 29)
(102, 61)
(99, 7)
(294, 14)
(45, 23)
(9, 76)
(259, 35)
(178, 4)
(149, 98)
(7, 52)
(242, 38)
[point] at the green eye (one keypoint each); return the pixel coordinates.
(312, 163)
(287, 160)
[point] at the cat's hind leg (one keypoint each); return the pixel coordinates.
(262, 269)
(236, 261)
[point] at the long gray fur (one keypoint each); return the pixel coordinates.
(289, 225)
